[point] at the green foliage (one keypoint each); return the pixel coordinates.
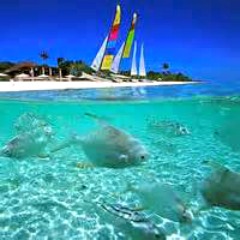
(4, 79)
(168, 76)
(165, 66)
(60, 60)
(44, 55)
(5, 65)
(73, 67)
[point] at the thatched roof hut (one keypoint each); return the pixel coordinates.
(21, 67)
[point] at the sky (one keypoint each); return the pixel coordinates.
(198, 37)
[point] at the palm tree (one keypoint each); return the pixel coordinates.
(165, 66)
(60, 61)
(44, 56)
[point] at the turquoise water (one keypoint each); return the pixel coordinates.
(51, 198)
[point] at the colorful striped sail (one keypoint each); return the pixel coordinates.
(130, 38)
(112, 38)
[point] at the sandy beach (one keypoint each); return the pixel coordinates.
(51, 85)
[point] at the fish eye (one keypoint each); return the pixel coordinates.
(142, 157)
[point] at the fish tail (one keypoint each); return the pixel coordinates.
(74, 139)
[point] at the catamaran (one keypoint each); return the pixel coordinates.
(105, 56)
(125, 49)
(125, 52)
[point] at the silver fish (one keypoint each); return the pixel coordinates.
(110, 147)
(221, 188)
(32, 137)
(25, 145)
(162, 200)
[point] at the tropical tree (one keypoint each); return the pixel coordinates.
(78, 67)
(5, 65)
(60, 61)
(44, 56)
(165, 66)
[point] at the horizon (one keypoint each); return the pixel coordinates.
(197, 39)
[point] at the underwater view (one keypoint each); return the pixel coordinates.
(131, 163)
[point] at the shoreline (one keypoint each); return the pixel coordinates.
(77, 85)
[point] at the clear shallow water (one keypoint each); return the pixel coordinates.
(46, 199)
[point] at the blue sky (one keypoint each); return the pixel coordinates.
(198, 37)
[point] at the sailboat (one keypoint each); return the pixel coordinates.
(105, 56)
(142, 69)
(125, 49)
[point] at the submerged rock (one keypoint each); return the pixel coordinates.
(162, 200)
(222, 187)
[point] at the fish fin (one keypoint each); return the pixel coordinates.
(138, 209)
(202, 208)
(123, 158)
(100, 120)
(215, 165)
(74, 139)
(94, 116)
(91, 115)
(85, 165)
(43, 155)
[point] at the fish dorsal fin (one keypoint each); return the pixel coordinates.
(103, 122)
(97, 118)
(215, 165)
